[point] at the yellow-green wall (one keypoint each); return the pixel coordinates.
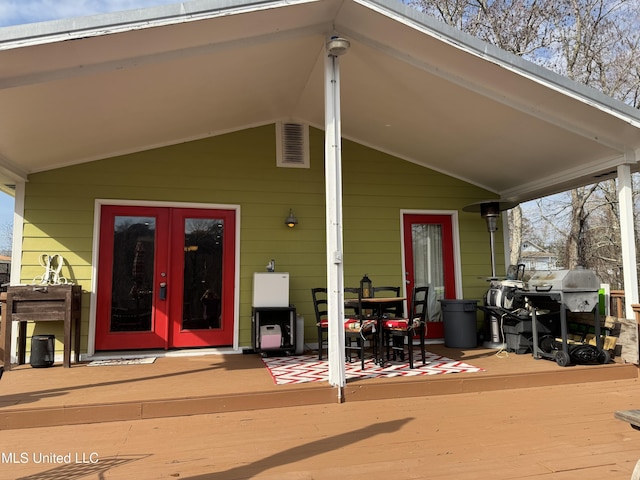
(240, 168)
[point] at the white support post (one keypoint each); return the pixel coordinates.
(627, 238)
(18, 223)
(16, 254)
(335, 269)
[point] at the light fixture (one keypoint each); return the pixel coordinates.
(291, 221)
(490, 211)
(366, 287)
(337, 46)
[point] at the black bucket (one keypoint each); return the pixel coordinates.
(42, 351)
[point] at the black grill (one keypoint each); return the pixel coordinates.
(570, 290)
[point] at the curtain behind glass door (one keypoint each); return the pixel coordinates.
(429, 264)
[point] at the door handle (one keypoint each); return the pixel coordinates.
(163, 291)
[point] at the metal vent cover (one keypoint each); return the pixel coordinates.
(292, 145)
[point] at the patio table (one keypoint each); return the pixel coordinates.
(631, 416)
(377, 304)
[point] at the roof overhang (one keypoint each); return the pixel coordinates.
(79, 90)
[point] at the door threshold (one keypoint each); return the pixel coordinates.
(185, 352)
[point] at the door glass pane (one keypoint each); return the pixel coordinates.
(133, 269)
(202, 273)
(428, 265)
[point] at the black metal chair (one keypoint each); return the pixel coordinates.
(396, 330)
(320, 308)
(392, 311)
(358, 329)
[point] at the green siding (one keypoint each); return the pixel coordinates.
(240, 168)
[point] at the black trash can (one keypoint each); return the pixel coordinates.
(460, 324)
(42, 351)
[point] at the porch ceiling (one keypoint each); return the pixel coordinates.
(78, 90)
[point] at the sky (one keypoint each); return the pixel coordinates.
(17, 12)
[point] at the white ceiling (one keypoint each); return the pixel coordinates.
(74, 91)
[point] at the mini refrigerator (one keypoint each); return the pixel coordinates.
(270, 289)
(273, 319)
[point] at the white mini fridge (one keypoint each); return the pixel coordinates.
(270, 289)
(273, 319)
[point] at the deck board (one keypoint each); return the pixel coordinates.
(533, 433)
(205, 384)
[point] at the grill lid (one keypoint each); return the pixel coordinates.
(577, 280)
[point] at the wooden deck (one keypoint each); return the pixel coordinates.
(189, 385)
(221, 417)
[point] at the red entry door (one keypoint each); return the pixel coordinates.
(429, 260)
(165, 278)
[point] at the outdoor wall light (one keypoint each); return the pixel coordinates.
(337, 46)
(291, 221)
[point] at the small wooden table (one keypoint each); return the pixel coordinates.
(41, 303)
(630, 416)
(633, 418)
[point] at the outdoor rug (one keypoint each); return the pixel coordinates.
(121, 361)
(304, 368)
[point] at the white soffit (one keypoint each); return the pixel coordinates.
(411, 86)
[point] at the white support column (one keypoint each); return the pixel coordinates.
(18, 223)
(16, 254)
(333, 179)
(627, 238)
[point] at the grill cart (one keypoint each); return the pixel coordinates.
(573, 290)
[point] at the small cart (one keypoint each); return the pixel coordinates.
(273, 330)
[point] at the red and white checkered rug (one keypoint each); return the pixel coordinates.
(304, 368)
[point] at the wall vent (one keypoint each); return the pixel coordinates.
(292, 145)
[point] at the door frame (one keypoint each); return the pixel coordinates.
(455, 237)
(97, 209)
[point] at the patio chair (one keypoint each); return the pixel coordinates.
(320, 308)
(396, 330)
(358, 329)
(392, 311)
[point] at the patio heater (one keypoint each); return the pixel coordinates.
(490, 211)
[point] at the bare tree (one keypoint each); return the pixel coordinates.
(515, 238)
(6, 236)
(517, 26)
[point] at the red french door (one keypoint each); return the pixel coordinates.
(429, 260)
(165, 278)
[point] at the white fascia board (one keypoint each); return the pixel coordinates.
(116, 22)
(562, 181)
